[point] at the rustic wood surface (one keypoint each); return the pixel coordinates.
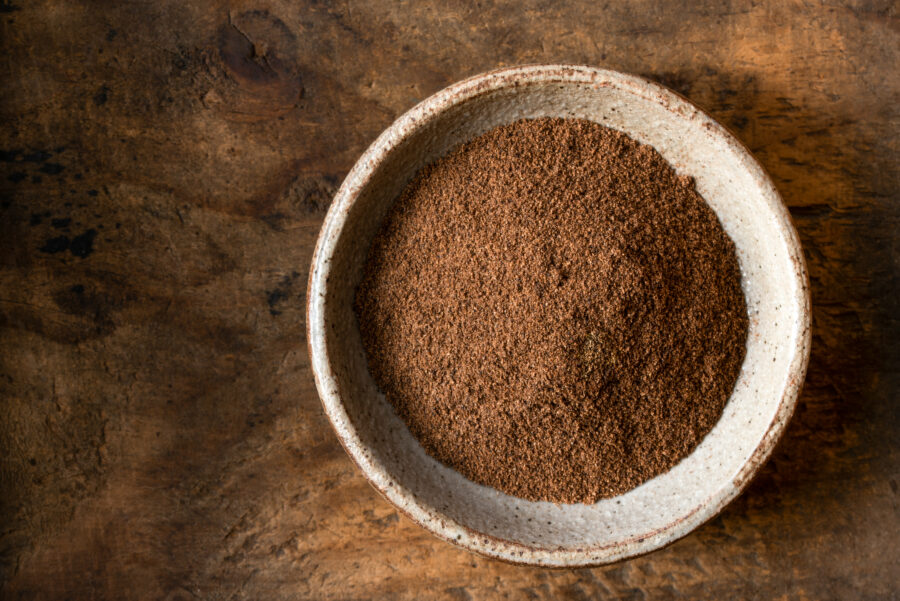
(165, 169)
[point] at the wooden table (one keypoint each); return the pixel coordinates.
(165, 169)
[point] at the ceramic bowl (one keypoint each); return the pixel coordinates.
(661, 510)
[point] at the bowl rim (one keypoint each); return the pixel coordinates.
(404, 499)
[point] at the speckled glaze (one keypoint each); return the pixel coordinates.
(661, 510)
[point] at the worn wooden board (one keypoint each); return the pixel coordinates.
(165, 170)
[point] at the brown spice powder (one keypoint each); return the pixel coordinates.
(553, 311)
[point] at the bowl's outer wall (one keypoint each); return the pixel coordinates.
(667, 507)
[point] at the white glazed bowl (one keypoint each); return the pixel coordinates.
(661, 510)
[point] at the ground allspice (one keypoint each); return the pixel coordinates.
(553, 311)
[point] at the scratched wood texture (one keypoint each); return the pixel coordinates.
(165, 169)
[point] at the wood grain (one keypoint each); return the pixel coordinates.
(165, 168)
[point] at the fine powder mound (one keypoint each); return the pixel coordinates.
(553, 311)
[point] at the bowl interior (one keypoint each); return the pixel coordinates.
(661, 509)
